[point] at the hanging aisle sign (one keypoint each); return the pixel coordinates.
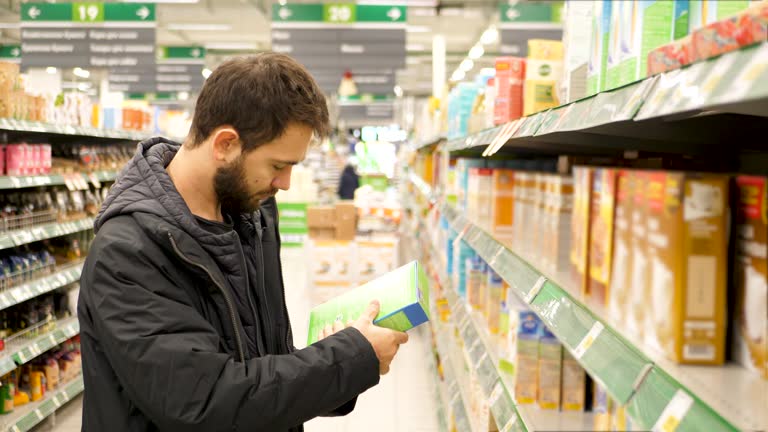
(524, 21)
(178, 69)
(88, 35)
(368, 40)
(10, 53)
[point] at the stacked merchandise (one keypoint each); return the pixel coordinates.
(15, 103)
(22, 159)
(46, 374)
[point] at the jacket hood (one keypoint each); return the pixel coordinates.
(144, 187)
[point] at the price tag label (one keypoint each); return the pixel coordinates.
(95, 180)
(65, 395)
(15, 181)
(498, 389)
(744, 82)
(463, 232)
(674, 413)
(39, 414)
(53, 339)
(510, 424)
(69, 182)
(535, 289)
(588, 340)
(22, 357)
(15, 428)
(56, 401)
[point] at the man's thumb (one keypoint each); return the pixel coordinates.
(372, 311)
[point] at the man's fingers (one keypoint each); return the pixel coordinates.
(327, 331)
(372, 311)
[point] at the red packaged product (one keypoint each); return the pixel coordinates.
(744, 29)
(671, 56)
(15, 155)
(510, 76)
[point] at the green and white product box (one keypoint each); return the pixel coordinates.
(403, 294)
(639, 28)
(705, 12)
(598, 55)
(293, 223)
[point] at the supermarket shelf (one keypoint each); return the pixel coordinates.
(686, 111)
(81, 131)
(62, 277)
(15, 357)
(429, 142)
(643, 382)
(44, 232)
(422, 186)
(441, 401)
(25, 418)
(19, 182)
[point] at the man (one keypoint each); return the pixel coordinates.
(182, 308)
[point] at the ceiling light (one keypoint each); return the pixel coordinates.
(467, 65)
(417, 29)
(398, 91)
(183, 96)
(82, 73)
(206, 73)
(476, 52)
(415, 47)
(458, 75)
(84, 86)
(282, 2)
(199, 27)
(232, 46)
(51, 70)
(489, 36)
(488, 71)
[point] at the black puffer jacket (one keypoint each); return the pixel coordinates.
(164, 345)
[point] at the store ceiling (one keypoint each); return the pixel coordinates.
(243, 26)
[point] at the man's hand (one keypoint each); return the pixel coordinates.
(385, 342)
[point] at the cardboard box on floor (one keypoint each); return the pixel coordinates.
(332, 223)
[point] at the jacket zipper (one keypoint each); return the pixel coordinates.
(262, 286)
(227, 298)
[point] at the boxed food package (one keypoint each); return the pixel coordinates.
(616, 36)
(476, 279)
(333, 262)
(461, 253)
(580, 225)
(403, 295)
(687, 252)
(321, 222)
(599, 43)
(621, 273)
(671, 56)
(644, 26)
(535, 231)
(523, 181)
(602, 409)
(9, 77)
(502, 205)
(732, 33)
(574, 384)
(576, 40)
(550, 370)
(496, 290)
(16, 159)
(345, 224)
(601, 234)
(638, 296)
(750, 328)
(375, 258)
(527, 357)
(479, 193)
(463, 166)
(705, 12)
(561, 225)
(508, 103)
(543, 70)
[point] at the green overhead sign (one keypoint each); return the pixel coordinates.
(181, 53)
(531, 12)
(87, 12)
(10, 52)
(338, 13)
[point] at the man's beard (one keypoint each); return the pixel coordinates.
(232, 190)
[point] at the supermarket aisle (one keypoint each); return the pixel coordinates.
(402, 401)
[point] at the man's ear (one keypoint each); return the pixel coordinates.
(226, 144)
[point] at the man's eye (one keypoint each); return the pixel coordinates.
(277, 167)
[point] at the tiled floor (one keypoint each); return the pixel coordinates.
(401, 402)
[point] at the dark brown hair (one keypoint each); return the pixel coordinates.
(259, 96)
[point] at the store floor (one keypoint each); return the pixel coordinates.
(402, 401)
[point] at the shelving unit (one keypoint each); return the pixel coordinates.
(75, 131)
(44, 232)
(20, 354)
(429, 141)
(683, 111)
(63, 276)
(19, 182)
(25, 418)
(633, 375)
